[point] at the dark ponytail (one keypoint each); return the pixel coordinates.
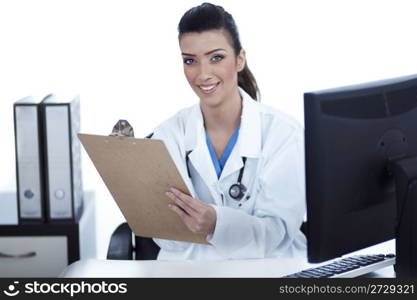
(209, 17)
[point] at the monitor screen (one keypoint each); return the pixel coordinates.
(352, 134)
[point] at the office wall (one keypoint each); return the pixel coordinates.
(122, 57)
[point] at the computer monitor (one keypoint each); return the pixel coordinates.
(361, 169)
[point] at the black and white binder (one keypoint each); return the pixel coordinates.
(29, 160)
(63, 184)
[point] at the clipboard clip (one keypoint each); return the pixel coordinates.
(122, 128)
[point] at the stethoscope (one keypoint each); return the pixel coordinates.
(237, 190)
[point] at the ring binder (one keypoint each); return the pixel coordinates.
(29, 160)
(63, 184)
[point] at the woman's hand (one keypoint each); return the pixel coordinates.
(198, 216)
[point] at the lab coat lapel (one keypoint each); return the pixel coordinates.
(249, 139)
(250, 136)
(195, 141)
(201, 161)
(233, 163)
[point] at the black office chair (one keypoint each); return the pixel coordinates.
(124, 245)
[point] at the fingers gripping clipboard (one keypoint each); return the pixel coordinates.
(138, 172)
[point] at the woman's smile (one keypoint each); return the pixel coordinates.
(209, 89)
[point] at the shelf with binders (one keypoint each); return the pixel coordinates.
(44, 249)
(48, 159)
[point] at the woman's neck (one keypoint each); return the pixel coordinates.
(223, 117)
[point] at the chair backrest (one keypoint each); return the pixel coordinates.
(145, 248)
(122, 248)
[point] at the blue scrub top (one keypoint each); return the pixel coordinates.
(220, 163)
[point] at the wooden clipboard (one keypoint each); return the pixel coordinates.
(137, 173)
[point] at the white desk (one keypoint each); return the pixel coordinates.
(229, 268)
(154, 268)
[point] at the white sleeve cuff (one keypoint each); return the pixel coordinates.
(239, 235)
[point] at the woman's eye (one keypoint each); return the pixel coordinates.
(188, 61)
(217, 58)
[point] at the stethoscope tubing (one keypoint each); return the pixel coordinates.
(236, 190)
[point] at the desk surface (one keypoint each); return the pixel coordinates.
(155, 268)
(274, 268)
(262, 268)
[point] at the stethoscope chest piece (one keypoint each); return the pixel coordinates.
(237, 191)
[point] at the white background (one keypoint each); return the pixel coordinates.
(122, 58)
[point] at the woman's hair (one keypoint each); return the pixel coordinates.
(210, 17)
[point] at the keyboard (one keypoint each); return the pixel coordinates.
(349, 267)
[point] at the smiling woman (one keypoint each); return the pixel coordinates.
(205, 18)
(242, 161)
(212, 74)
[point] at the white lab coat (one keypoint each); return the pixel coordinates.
(265, 225)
